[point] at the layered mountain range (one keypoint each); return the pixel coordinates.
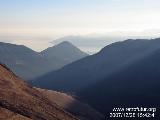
(89, 70)
(29, 64)
(122, 74)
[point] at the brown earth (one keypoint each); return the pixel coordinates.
(20, 101)
(67, 102)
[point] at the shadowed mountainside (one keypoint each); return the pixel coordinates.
(123, 74)
(24, 61)
(135, 85)
(90, 70)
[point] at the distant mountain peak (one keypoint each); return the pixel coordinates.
(64, 53)
(65, 44)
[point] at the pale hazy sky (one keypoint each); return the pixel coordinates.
(57, 18)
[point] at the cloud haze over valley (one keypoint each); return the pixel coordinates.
(38, 23)
(91, 43)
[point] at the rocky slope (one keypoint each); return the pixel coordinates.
(20, 101)
(73, 106)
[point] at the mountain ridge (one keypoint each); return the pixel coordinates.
(87, 71)
(123, 74)
(64, 53)
(135, 85)
(24, 61)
